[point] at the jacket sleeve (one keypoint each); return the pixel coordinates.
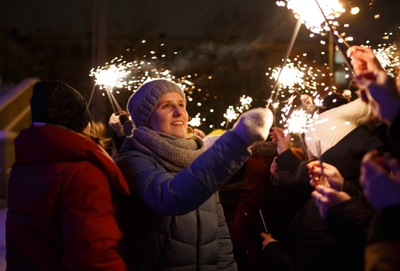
(277, 257)
(383, 242)
(287, 161)
(394, 131)
(225, 260)
(179, 193)
(90, 233)
(348, 222)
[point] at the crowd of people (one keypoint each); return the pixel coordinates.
(328, 200)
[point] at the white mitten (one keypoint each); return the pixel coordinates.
(254, 125)
(115, 124)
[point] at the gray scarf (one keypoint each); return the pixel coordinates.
(173, 153)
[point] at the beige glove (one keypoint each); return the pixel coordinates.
(254, 125)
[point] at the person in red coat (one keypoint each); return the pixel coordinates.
(63, 189)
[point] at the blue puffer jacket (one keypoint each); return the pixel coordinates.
(174, 221)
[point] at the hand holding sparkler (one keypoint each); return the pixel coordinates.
(380, 91)
(331, 178)
(267, 239)
(254, 125)
(380, 179)
(266, 236)
(116, 125)
(283, 140)
(363, 60)
(326, 197)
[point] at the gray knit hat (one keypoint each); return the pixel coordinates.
(141, 103)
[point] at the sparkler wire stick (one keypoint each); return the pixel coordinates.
(303, 144)
(262, 219)
(115, 102)
(91, 95)
(274, 116)
(344, 42)
(335, 38)
(111, 101)
(319, 158)
(288, 50)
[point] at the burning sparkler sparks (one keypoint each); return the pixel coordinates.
(290, 76)
(230, 114)
(300, 78)
(195, 121)
(112, 75)
(311, 15)
(299, 122)
(245, 103)
(119, 74)
(389, 58)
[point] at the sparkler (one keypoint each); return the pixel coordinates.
(318, 144)
(274, 107)
(245, 103)
(111, 76)
(263, 221)
(289, 76)
(299, 77)
(334, 36)
(298, 123)
(230, 115)
(389, 58)
(288, 50)
(314, 14)
(131, 75)
(195, 121)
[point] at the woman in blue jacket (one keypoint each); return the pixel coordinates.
(174, 219)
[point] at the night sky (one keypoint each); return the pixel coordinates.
(180, 18)
(260, 20)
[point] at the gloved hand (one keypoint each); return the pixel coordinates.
(254, 125)
(115, 124)
(128, 127)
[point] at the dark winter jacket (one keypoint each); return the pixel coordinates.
(175, 220)
(310, 247)
(310, 243)
(60, 205)
(383, 242)
(348, 222)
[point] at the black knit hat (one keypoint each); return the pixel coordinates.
(57, 103)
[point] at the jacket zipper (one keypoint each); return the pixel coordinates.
(198, 241)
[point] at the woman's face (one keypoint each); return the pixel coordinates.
(170, 115)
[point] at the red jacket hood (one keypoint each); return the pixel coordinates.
(54, 143)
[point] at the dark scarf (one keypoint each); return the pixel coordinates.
(173, 153)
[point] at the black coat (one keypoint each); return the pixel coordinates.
(310, 245)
